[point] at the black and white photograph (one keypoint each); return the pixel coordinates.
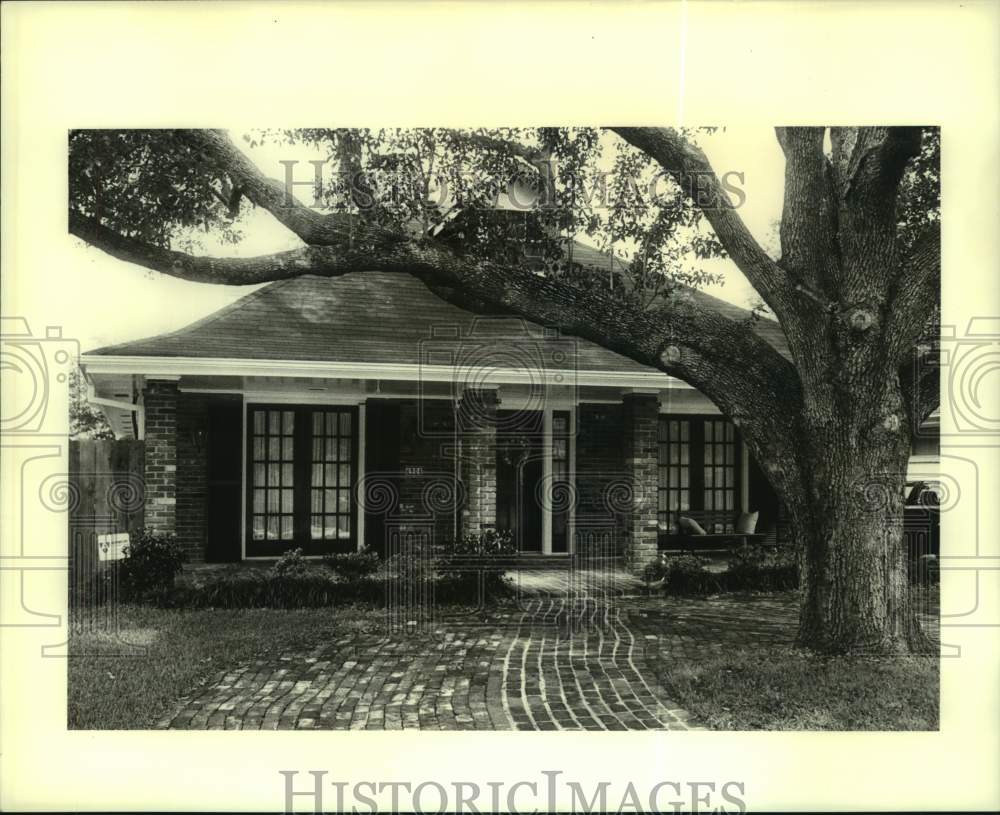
(494, 424)
(600, 434)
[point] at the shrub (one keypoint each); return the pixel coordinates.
(353, 565)
(149, 567)
(292, 562)
(300, 589)
(762, 568)
(683, 575)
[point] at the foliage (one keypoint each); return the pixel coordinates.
(473, 569)
(683, 575)
(152, 561)
(291, 563)
(85, 421)
(353, 565)
(288, 589)
(762, 568)
(489, 543)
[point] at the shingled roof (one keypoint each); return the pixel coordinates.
(369, 317)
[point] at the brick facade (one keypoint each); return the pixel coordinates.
(641, 413)
(477, 425)
(192, 474)
(160, 470)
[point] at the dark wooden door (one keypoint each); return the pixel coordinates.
(382, 440)
(519, 473)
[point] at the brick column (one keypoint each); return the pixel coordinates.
(160, 471)
(477, 427)
(641, 414)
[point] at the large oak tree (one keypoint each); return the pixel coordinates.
(854, 287)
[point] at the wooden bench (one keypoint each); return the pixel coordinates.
(720, 533)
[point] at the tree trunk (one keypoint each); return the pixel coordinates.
(848, 524)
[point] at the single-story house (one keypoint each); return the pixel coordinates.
(334, 413)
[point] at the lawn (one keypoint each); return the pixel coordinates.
(783, 688)
(111, 690)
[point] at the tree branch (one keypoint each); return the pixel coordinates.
(809, 215)
(917, 294)
(690, 168)
(743, 374)
(312, 227)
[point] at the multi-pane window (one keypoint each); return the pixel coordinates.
(331, 482)
(301, 473)
(699, 468)
(719, 465)
(273, 475)
(674, 458)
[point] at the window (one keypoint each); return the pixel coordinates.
(699, 469)
(301, 473)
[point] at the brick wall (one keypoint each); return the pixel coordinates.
(159, 472)
(640, 413)
(477, 424)
(427, 472)
(192, 473)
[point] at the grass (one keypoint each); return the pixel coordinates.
(783, 688)
(114, 686)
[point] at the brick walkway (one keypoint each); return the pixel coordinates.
(559, 660)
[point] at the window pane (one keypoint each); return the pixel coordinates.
(345, 475)
(272, 501)
(272, 528)
(258, 449)
(345, 449)
(331, 450)
(343, 503)
(287, 480)
(288, 422)
(331, 424)
(345, 424)
(273, 422)
(258, 474)
(258, 527)
(288, 448)
(272, 475)
(316, 500)
(258, 422)
(331, 474)
(274, 449)
(258, 500)
(330, 526)
(317, 423)
(344, 529)
(316, 526)
(287, 496)
(330, 500)
(286, 527)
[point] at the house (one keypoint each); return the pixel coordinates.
(332, 413)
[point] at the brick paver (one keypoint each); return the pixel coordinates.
(559, 660)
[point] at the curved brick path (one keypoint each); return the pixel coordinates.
(556, 663)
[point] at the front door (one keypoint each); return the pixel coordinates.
(519, 475)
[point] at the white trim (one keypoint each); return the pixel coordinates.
(547, 480)
(175, 367)
(744, 477)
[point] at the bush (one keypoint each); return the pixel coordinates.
(151, 563)
(762, 568)
(289, 590)
(683, 575)
(353, 565)
(292, 562)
